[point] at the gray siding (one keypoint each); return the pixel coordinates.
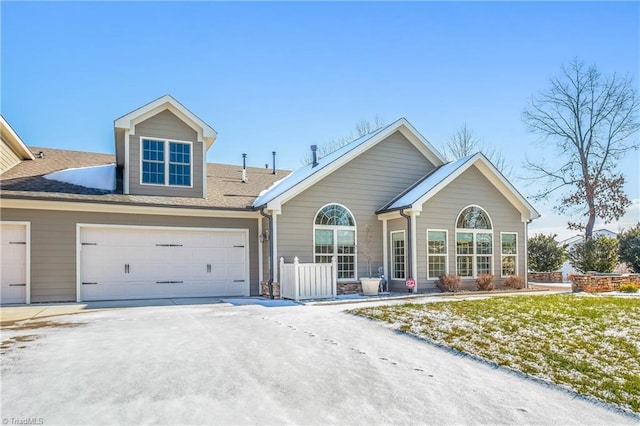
(441, 211)
(165, 125)
(53, 244)
(363, 185)
(8, 157)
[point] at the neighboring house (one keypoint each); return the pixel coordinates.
(157, 221)
(567, 269)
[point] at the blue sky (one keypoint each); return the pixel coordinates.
(282, 76)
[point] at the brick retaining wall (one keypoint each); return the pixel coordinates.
(265, 290)
(591, 283)
(545, 277)
(343, 288)
(349, 288)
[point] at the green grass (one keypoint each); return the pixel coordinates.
(590, 344)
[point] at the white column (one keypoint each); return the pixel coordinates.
(414, 254)
(274, 236)
(385, 250)
(260, 258)
(525, 273)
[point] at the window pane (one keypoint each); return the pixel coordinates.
(484, 264)
(473, 218)
(483, 243)
(437, 266)
(437, 242)
(508, 265)
(179, 164)
(334, 214)
(464, 243)
(179, 175)
(509, 244)
(346, 267)
(346, 237)
(324, 241)
(152, 161)
(464, 266)
(323, 259)
(397, 253)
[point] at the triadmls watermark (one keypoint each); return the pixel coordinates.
(22, 421)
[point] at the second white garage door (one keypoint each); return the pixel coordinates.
(144, 263)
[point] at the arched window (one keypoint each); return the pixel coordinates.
(474, 242)
(334, 234)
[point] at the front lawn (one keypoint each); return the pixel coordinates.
(588, 343)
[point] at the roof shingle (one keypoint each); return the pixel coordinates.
(225, 189)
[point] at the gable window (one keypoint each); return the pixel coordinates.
(436, 253)
(509, 244)
(334, 233)
(474, 243)
(397, 255)
(158, 168)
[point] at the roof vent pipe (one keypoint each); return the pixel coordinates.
(274, 163)
(314, 153)
(244, 168)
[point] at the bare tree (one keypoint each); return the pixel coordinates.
(590, 119)
(362, 128)
(465, 142)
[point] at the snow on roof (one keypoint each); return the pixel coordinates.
(422, 187)
(97, 177)
(303, 173)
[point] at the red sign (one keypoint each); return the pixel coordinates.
(411, 283)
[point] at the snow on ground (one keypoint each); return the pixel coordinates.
(222, 364)
(96, 177)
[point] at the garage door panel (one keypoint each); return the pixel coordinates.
(151, 263)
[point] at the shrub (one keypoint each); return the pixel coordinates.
(628, 288)
(598, 254)
(485, 282)
(514, 281)
(448, 283)
(629, 250)
(545, 254)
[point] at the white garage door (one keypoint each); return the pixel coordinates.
(136, 263)
(14, 264)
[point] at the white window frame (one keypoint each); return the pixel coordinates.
(335, 229)
(167, 146)
(393, 255)
(511, 255)
(475, 255)
(446, 254)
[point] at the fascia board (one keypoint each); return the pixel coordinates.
(422, 144)
(507, 190)
(206, 133)
(401, 125)
(21, 203)
(497, 180)
(14, 140)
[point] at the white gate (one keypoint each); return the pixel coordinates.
(300, 281)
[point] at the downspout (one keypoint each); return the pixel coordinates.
(270, 283)
(409, 244)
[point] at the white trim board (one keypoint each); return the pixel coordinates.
(14, 203)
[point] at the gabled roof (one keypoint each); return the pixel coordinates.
(308, 175)
(206, 133)
(14, 141)
(415, 196)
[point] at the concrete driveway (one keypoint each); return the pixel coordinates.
(228, 364)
